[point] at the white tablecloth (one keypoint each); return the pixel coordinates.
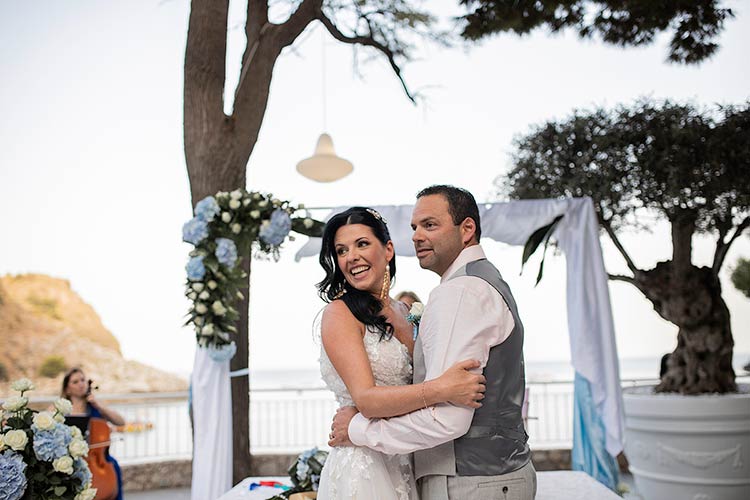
(553, 485)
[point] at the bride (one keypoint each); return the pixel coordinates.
(366, 355)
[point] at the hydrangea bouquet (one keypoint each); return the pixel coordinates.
(305, 472)
(225, 228)
(41, 458)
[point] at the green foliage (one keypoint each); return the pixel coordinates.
(681, 162)
(3, 372)
(52, 366)
(694, 25)
(741, 276)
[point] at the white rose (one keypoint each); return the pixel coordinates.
(15, 403)
(256, 196)
(192, 295)
(218, 308)
(255, 214)
(16, 439)
(212, 285)
(201, 309)
(300, 206)
(198, 287)
(44, 421)
(275, 202)
(416, 309)
(63, 464)
(246, 202)
(226, 216)
(76, 432)
(263, 204)
(204, 295)
(64, 406)
(222, 194)
(198, 320)
(236, 194)
(22, 385)
(87, 494)
(78, 448)
(308, 222)
(208, 330)
(2, 442)
(235, 204)
(59, 417)
(236, 228)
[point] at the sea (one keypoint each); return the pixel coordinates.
(536, 371)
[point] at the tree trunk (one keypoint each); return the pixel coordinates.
(702, 361)
(217, 149)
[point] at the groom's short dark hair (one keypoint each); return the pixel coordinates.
(461, 204)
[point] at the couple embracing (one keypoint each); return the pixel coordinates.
(444, 411)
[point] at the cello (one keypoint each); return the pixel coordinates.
(103, 474)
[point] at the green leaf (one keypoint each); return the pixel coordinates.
(542, 234)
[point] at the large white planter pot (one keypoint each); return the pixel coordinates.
(688, 447)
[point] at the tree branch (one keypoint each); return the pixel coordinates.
(306, 12)
(257, 17)
(608, 228)
(368, 41)
(619, 277)
(723, 247)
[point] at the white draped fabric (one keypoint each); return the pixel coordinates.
(590, 326)
(212, 427)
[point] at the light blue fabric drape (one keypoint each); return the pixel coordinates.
(589, 452)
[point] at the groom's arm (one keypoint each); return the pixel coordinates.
(464, 318)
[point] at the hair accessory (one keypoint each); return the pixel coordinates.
(340, 294)
(377, 215)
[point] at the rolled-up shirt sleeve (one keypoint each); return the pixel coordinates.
(463, 319)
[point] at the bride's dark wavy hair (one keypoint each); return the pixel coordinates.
(363, 305)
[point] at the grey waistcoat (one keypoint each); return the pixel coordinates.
(496, 441)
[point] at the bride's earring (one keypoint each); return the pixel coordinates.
(386, 283)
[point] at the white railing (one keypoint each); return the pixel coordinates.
(291, 420)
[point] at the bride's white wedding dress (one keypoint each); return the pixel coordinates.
(361, 473)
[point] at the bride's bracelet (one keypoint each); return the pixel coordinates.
(424, 400)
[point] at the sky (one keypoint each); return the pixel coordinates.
(93, 186)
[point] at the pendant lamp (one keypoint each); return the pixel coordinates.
(324, 165)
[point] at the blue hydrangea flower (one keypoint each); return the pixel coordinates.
(226, 252)
(81, 471)
(278, 227)
(195, 269)
(194, 231)
(12, 476)
(207, 208)
(51, 444)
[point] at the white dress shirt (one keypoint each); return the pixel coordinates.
(464, 317)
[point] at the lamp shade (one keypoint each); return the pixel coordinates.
(324, 165)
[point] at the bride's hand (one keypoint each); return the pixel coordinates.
(461, 387)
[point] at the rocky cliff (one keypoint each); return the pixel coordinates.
(41, 316)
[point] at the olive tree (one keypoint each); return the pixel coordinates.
(689, 167)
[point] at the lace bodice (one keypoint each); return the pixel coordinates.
(389, 359)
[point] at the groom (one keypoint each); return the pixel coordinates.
(459, 452)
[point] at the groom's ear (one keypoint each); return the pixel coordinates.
(468, 231)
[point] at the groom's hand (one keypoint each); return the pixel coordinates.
(339, 435)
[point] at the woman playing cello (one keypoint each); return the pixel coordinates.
(77, 388)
